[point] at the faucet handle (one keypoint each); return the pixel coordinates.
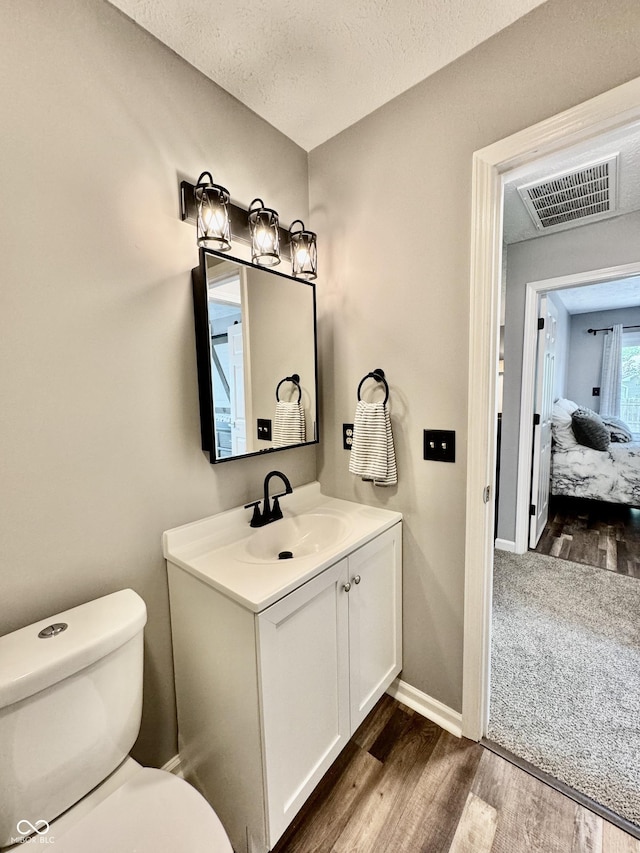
(276, 512)
(256, 518)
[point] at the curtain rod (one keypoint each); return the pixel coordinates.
(609, 329)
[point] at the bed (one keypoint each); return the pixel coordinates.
(611, 475)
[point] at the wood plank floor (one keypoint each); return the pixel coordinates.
(403, 785)
(593, 533)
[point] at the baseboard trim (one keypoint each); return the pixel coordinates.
(174, 766)
(505, 545)
(429, 707)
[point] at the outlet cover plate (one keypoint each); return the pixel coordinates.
(347, 436)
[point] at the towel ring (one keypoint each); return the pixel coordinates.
(378, 375)
(296, 381)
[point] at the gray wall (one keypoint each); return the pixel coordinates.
(391, 197)
(585, 367)
(99, 415)
(602, 244)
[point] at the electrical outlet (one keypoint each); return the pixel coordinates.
(439, 445)
(264, 429)
(347, 436)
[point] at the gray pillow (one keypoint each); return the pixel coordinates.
(618, 430)
(590, 430)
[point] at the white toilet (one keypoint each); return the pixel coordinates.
(70, 706)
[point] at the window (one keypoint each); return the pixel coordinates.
(630, 392)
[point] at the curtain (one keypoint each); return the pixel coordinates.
(611, 382)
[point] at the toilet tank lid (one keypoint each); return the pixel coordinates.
(29, 663)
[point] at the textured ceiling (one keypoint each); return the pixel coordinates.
(313, 68)
(601, 297)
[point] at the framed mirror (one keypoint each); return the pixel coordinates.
(257, 358)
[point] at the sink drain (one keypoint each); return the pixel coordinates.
(285, 555)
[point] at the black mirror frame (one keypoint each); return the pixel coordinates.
(203, 356)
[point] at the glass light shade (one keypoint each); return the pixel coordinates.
(265, 239)
(212, 202)
(304, 254)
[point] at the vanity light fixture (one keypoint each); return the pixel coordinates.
(218, 220)
(304, 254)
(265, 237)
(212, 202)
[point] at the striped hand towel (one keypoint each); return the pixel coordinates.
(373, 456)
(289, 424)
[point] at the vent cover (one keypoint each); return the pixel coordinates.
(589, 192)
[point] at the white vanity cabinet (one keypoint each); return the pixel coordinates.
(303, 643)
(327, 652)
(268, 696)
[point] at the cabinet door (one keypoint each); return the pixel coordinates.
(375, 620)
(302, 641)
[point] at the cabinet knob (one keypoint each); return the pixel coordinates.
(346, 587)
(357, 579)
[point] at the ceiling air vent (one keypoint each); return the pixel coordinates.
(570, 198)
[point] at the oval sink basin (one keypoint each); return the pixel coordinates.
(296, 536)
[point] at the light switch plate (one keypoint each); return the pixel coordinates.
(264, 429)
(439, 445)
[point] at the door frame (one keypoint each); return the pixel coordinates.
(615, 109)
(533, 291)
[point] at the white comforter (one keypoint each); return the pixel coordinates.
(604, 475)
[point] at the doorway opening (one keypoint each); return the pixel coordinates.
(562, 360)
(492, 166)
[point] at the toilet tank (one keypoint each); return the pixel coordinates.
(70, 707)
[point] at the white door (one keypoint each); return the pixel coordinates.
(545, 374)
(236, 390)
(304, 672)
(375, 608)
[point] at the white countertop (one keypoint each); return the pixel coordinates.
(211, 549)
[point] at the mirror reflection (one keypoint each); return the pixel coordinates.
(255, 330)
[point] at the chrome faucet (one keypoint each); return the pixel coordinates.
(269, 513)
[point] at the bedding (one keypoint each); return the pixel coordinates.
(618, 429)
(611, 475)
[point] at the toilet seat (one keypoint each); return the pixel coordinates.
(152, 812)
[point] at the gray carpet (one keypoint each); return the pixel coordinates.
(565, 679)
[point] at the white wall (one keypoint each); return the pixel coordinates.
(563, 342)
(585, 364)
(99, 414)
(391, 197)
(602, 244)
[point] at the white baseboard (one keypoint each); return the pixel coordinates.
(430, 708)
(505, 545)
(173, 766)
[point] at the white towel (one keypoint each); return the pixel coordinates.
(289, 425)
(373, 456)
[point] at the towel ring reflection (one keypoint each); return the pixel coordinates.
(296, 381)
(378, 375)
